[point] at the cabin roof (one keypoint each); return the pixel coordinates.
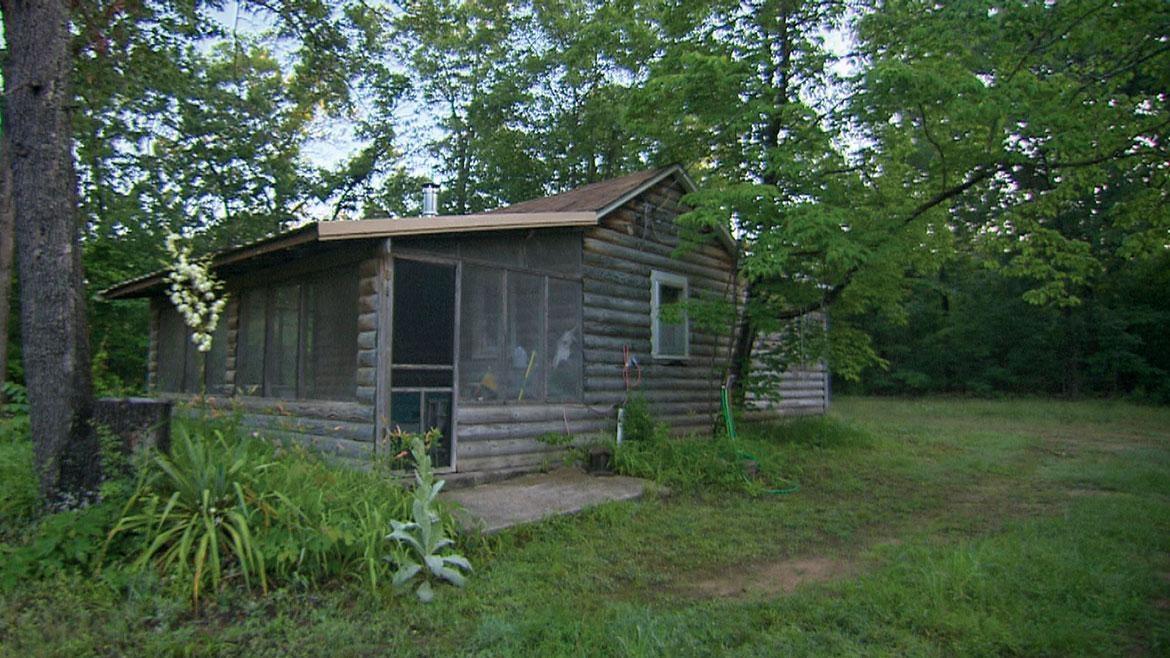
(602, 197)
(581, 207)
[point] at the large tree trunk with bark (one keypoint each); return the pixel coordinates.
(7, 226)
(44, 194)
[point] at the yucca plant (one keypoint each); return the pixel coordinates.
(197, 510)
(422, 548)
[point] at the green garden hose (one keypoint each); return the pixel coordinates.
(729, 421)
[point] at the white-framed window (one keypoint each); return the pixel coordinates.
(670, 337)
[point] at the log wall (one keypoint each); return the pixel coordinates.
(619, 256)
(801, 390)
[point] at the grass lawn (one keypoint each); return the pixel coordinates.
(925, 527)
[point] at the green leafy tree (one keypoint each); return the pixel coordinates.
(192, 124)
(1011, 128)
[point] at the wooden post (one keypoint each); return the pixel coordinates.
(385, 311)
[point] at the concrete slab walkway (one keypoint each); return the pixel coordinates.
(498, 505)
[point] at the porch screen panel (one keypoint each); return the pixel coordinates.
(331, 336)
(216, 374)
(172, 332)
(564, 340)
(554, 252)
(283, 334)
(525, 347)
(429, 340)
(503, 250)
(250, 343)
(481, 344)
(193, 360)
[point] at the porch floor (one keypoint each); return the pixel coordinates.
(496, 506)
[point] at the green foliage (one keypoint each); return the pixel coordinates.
(34, 544)
(558, 439)
(969, 331)
(14, 428)
(68, 542)
(197, 513)
(226, 507)
(637, 422)
(690, 465)
(19, 496)
(423, 550)
(16, 400)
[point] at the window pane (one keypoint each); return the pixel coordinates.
(672, 336)
(526, 343)
(171, 349)
(331, 336)
(283, 332)
(501, 249)
(437, 407)
(564, 340)
(412, 378)
(250, 343)
(481, 346)
(406, 411)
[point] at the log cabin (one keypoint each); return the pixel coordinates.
(496, 328)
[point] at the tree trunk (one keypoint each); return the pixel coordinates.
(7, 218)
(745, 334)
(744, 338)
(56, 356)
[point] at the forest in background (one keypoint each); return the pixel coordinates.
(974, 191)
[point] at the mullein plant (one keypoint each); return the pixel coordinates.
(422, 549)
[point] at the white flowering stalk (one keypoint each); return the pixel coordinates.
(194, 292)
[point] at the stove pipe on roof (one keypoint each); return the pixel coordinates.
(430, 206)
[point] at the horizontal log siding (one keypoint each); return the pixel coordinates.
(619, 256)
(232, 317)
(503, 436)
(340, 429)
(803, 390)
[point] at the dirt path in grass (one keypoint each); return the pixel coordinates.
(774, 578)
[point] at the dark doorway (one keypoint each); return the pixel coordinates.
(422, 374)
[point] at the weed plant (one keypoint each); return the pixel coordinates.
(422, 550)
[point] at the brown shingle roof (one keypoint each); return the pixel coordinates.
(592, 197)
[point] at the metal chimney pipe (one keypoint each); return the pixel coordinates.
(430, 200)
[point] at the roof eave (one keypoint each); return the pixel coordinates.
(409, 226)
(147, 284)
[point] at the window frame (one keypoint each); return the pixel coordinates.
(658, 279)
